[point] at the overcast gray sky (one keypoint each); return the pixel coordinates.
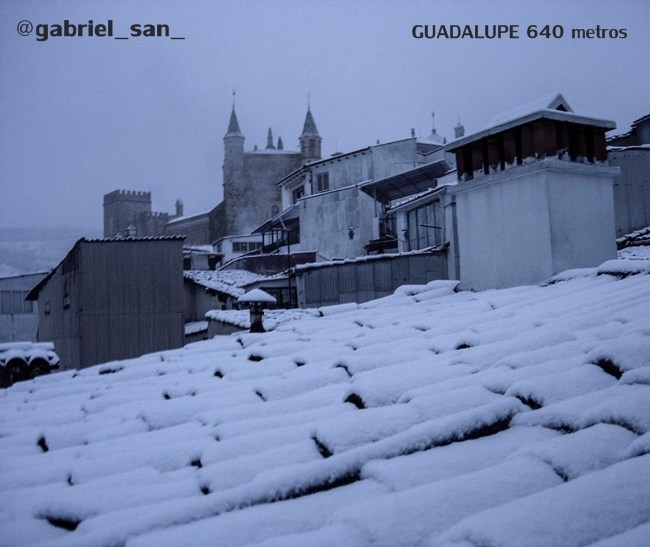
(82, 116)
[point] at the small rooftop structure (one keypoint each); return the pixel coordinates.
(255, 296)
(543, 128)
(256, 299)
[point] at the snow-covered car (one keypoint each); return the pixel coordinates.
(25, 360)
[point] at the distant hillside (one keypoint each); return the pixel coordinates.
(28, 250)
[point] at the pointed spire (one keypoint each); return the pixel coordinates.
(310, 140)
(233, 125)
(434, 137)
(309, 129)
(280, 144)
(269, 141)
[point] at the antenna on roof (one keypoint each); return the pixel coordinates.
(308, 100)
(233, 97)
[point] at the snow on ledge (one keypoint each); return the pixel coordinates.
(622, 267)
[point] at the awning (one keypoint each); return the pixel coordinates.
(280, 220)
(406, 183)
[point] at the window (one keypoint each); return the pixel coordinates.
(297, 194)
(13, 302)
(322, 182)
(5, 302)
(423, 226)
(245, 246)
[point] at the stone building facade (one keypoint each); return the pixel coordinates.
(129, 212)
(250, 194)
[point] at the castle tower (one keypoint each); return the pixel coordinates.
(250, 193)
(121, 207)
(233, 140)
(179, 208)
(233, 171)
(310, 140)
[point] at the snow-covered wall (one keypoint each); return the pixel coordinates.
(527, 223)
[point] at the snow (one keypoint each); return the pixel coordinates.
(547, 102)
(195, 327)
(272, 318)
(257, 295)
(28, 352)
(231, 282)
(515, 417)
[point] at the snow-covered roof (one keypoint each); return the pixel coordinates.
(509, 418)
(229, 282)
(198, 249)
(554, 101)
(552, 107)
(636, 238)
(433, 138)
(367, 258)
(271, 319)
(195, 327)
(186, 218)
(644, 147)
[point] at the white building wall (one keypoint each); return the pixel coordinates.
(343, 171)
(326, 219)
(528, 223)
(394, 157)
(583, 224)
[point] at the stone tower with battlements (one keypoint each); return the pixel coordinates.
(132, 209)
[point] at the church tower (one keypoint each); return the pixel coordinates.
(233, 173)
(310, 140)
(233, 141)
